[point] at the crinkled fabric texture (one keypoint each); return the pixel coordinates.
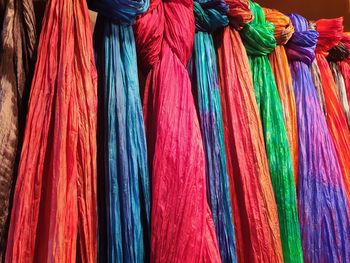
(341, 90)
(331, 32)
(322, 207)
(316, 78)
(17, 46)
(124, 190)
(54, 208)
(209, 15)
(344, 65)
(280, 68)
(258, 38)
(253, 202)
(182, 228)
(336, 56)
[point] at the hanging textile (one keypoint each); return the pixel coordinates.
(209, 16)
(339, 53)
(316, 76)
(322, 207)
(258, 38)
(253, 203)
(344, 65)
(280, 68)
(182, 228)
(54, 209)
(330, 33)
(122, 136)
(17, 44)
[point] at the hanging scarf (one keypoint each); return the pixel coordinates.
(54, 208)
(253, 202)
(331, 31)
(17, 44)
(258, 38)
(322, 207)
(122, 142)
(337, 54)
(209, 16)
(316, 75)
(182, 228)
(344, 65)
(280, 68)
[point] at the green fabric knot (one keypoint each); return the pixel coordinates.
(258, 35)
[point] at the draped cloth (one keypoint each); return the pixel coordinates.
(338, 54)
(280, 68)
(182, 228)
(316, 75)
(344, 65)
(125, 208)
(54, 209)
(331, 31)
(322, 207)
(17, 45)
(210, 15)
(258, 38)
(253, 202)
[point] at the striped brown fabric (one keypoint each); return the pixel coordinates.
(17, 45)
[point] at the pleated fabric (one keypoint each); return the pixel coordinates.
(316, 75)
(344, 65)
(209, 16)
(337, 54)
(258, 38)
(54, 209)
(122, 142)
(253, 202)
(182, 228)
(322, 207)
(331, 31)
(280, 68)
(17, 48)
(316, 78)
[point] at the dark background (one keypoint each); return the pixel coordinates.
(312, 9)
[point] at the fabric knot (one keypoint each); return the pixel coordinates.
(302, 45)
(330, 33)
(283, 26)
(338, 53)
(210, 15)
(121, 11)
(239, 13)
(258, 35)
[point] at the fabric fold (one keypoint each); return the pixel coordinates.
(344, 65)
(330, 34)
(322, 207)
(54, 217)
(124, 190)
(258, 38)
(280, 68)
(338, 54)
(209, 16)
(253, 203)
(182, 228)
(17, 50)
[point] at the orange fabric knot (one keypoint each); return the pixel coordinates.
(239, 13)
(283, 26)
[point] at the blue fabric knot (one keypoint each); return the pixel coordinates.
(120, 11)
(210, 15)
(302, 45)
